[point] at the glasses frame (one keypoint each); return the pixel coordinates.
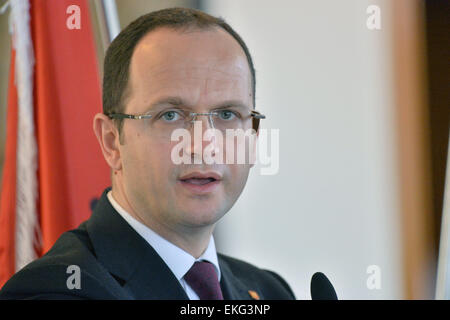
(256, 115)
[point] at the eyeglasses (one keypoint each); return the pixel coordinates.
(164, 122)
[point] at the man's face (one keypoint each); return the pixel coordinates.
(203, 69)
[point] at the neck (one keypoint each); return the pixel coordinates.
(193, 240)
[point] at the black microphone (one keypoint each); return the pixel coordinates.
(321, 288)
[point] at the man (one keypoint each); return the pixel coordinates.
(150, 235)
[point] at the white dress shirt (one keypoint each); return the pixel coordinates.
(178, 260)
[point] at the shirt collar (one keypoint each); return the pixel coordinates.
(178, 260)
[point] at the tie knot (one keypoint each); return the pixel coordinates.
(202, 278)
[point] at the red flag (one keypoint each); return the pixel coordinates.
(71, 171)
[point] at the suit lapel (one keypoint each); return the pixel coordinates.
(232, 287)
(128, 257)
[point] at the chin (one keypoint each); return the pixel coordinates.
(202, 215)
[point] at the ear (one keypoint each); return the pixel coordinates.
(108, 138)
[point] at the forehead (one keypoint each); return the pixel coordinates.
(196, 64)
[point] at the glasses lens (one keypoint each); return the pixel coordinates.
(165, 122)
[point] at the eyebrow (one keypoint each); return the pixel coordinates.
(178, 102)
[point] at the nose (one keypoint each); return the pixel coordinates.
(203, 135)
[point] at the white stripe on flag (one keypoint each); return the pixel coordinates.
(26, 191)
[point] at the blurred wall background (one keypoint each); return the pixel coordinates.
(324, 79)
(329, 85)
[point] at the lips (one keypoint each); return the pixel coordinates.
(201, 182)
(201, 176)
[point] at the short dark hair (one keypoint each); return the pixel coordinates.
(119, 53)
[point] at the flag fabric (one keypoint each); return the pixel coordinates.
(8, 190)
(54, 169)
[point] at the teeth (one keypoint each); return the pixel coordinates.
(198, 181)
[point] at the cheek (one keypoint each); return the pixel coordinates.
(238, 174)
(150, 160)
(240, 150)
(157, 156)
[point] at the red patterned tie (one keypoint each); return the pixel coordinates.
(202, 278)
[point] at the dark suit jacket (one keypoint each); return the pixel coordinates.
(117, 263)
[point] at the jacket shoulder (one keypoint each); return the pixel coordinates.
(69, 270)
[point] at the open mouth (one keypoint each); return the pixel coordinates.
(199, 181)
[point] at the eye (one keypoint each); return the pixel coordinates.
(170, 116)
(227, 114)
